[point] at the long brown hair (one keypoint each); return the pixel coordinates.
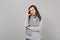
(37, 13)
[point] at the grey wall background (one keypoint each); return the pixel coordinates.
(12, 17)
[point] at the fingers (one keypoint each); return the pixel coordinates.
(28, 14)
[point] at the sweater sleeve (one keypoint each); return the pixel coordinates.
(37, 28)
(26, 21)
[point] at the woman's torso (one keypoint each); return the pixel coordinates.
(34, 21)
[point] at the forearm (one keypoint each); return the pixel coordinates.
(37, 29)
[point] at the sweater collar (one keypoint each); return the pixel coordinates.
(34, 16)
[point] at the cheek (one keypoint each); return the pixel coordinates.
(33, 11)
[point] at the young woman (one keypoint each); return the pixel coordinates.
(33, 30)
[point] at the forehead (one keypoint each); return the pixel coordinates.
(32, 8)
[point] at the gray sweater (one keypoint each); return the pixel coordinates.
(33, 22)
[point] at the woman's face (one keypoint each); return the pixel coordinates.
(32, 10)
